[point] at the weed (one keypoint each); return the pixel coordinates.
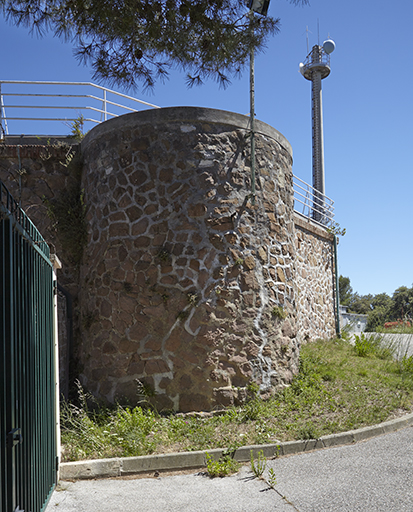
(278, 312)
(362, 345)
(77, 127)
(400, 327)
(68, 214)
(336, 229)
(328, 376)
(164, 255)
(253, 389)
(272, 479)
(406, 365)
(308, 431)
(238, 262)
(224, 466)
(192, 298)
(346, 331)
(373, 346)
(252, 410)
(260, 465)
(144, 392)
(182, 315)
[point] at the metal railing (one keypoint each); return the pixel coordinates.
(109, 104)
(313, 204)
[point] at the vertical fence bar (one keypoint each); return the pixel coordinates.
(3, 359)
(1, 115)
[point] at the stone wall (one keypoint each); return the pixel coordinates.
(186, 286)
(36, 172)
(186, 283)
(314, 278)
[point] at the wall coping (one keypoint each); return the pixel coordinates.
(185, 115)
(303, 222)
(33, 140)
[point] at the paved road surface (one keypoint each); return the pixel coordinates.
(373, 476)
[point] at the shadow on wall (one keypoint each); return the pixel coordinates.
(184, 276)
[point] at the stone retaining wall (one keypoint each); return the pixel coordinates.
(36, 172)
(314, 278)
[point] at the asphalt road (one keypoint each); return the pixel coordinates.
(372, 476)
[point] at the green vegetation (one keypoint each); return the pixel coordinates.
(77, 128)
(380, 308)
(339, 387)
(259, 466)
(68, 211)
(139, 41)
(224, 466)
(278, 312)
(401, 328)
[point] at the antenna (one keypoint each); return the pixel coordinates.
(316, 67)
(329, 46)
(308, 48)
(306, 35)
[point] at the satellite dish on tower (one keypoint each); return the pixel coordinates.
(329, 46)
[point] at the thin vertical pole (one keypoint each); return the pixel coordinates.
(1, 114)
(336, 278)
(252, 115)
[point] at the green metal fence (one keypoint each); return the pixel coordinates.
(27, 372)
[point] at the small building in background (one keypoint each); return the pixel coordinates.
(352, 322)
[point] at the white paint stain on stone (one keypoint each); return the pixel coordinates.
(186, 128)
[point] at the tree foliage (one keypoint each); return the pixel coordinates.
(345, 290)
(137, 41)
(380, 308)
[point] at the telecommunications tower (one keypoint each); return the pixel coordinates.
(316, 67)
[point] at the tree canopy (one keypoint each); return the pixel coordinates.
(137, 41)
(380, 308)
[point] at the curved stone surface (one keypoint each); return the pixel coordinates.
(187, 287)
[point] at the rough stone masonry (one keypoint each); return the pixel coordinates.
(187, 286)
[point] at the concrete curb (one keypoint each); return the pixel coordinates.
(105, 468)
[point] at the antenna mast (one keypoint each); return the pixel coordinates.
(315, 68)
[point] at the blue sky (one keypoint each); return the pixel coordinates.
(368, 109)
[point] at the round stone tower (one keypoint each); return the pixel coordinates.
(187, 285)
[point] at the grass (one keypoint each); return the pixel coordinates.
(400, 329)
(338, 388)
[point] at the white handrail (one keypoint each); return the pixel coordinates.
(130, 104)
(315, 205)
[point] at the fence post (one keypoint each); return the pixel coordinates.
(1, 115)
(56, 266)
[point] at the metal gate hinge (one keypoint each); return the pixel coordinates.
(14, 437)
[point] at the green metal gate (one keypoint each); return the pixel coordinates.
(27, 367)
